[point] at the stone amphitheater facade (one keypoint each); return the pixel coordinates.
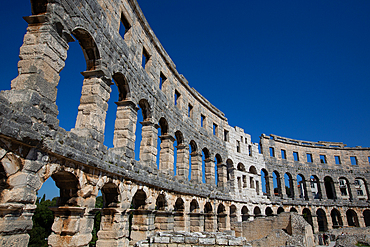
(328, 182)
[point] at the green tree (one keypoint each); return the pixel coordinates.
(42, 219)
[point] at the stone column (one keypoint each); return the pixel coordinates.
(113, 228)
(323, 191)
(361, 220)
(308, 190)
(196, 167)
(270, 185)
(15, 222)
(125, 127)
(93, 105)
(182, 163)
(221, 176)
(148, 145)
(336, 189)
(280, 187)
(296, 192)
(72, 226)
(166, 155)
(329, 221)
(209, 166)
(351, 188)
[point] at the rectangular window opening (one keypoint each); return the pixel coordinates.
(177, 97)
(145, 58)
(283, 154)
(190, 111)
(226, 135)
(244, 181)
(322, 159)
(238, 146)
(124, 26)
(215, 129)
(250, 150)
(162, 79)
(202, 120)
(353, 160)
(295, 156)
(337, 160)
(272, 152)
(309, 158)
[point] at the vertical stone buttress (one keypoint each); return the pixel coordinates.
(124, 128)
(93, 105)
(209, 165)
(182, 161)
(196, 167)
(148, 145)
(166, 158)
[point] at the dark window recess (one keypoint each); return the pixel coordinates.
(162, 79)
(177, 97)
(322, 159)
(337, 160)
(283, 154)
(190, 110)
(353, 160)
(124, 26)
(226, 135)
(272, 152)
(295, 156)
(145, 58)
(309, 158)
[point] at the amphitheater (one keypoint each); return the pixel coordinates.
(327, 182)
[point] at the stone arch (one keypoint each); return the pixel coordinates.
(208, 208)
(230, 170)
(253, 170)
(336, 218)
(195, 224)
(194, 164)
(69, 186)
(321, 220)
(329, 188)
(366, 215)
(277, 183)
(265, 181)
(178, 215)
(179, 204)
(38, 6)
(179, 137)
(161, 202)
(301, 185)
(110, 194)
(306, 213)
(208, 217)
(207, 167)
(257, 211)
(352, 218)
(163, 124)
(288, 181)
(345, 191)
(241, 167)
(194, 206)
(362, 189)
(122, 85)
(315, 187)
(245, 213)
(293, 210)
(219, 171)
(221, 217)
(89, 48)
(268, 211)
(280, 210)
(233, 215)
(139, 200)
(145, 109)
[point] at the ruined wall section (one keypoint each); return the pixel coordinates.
(333, 173)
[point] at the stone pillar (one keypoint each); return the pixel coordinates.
(182, 163)
(179, 221)
(196, 167)
(209, 166)
(196, 222)
(210, 222)
(148, 145)
(323, 191)
(42, 57)
(125, 127)
(315, 223)
(93, 105)
(336, 189)
(113, 228)
(163, 221)
(351, 188)
(329, 221)
(270, 189)
(166, 158)
(361, 220)
(15, 222)
(296, 191)
(308, 190)
(72, 226)
(221, 176)
(280, 187)
(142, 224)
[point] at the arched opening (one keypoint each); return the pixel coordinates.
(207, 175)
(306, 213)
(366, 215)
(241, 167)
(178, 215)
(221, 218)
(253, 170)
(321, 220)
(277, 185)
(301, 184)
(89, 48)
(245, 213)
(194, 214)
(265, 183)
(293, 210)
(165, 148)
(280, 210)
(345, 192)
(288, 185)
(194, 165)
(315, 187)
(361, 189)
(269, 212)
(208, 218)
(68, 186)
(219, 171)
(179, 157)
(352, 218)
(336, 218)
(161, 220)
(233, 216)
(138, 216)
(329, 187)
(257, 212)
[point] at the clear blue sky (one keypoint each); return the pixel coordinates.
(299, 69)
